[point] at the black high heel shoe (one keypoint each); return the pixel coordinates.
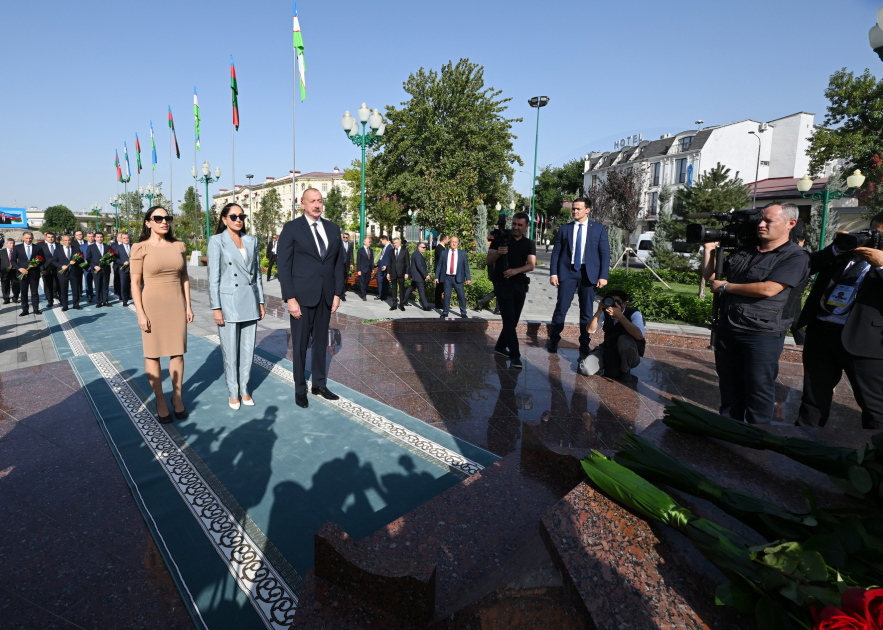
(164, 419)
(180, 415)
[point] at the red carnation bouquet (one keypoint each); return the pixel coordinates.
(36, 261)
(860, 609)
(107, 260)
(77, 259)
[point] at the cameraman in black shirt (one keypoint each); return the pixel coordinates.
(512, 257)
(751, 334)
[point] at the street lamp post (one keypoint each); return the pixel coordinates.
(757, 169)
(826, 195)
(364, 140)
(538, 102)
(207, 179)
(148, 194)
(116, 202)
(251, 196)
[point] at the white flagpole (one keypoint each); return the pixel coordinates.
(171, 192)
(293, 133)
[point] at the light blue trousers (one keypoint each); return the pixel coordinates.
(237, 346)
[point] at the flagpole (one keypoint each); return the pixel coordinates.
(293, 130)
(171, 192)
(233, 167)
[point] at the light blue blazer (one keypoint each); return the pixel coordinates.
(235, 284)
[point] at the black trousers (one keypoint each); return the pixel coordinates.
(439, 291)
(271, 262)
(824, 362)
(364, 281)
(510, 301)
(31, 285)
(50, 287)
(382, 285)
(116, 282)
(747, 366)
(72, 283)
(10, 285)
(90, 283)
(397, 290)
(102, 279)
(420, 286)
(314, 320)
(125, 287)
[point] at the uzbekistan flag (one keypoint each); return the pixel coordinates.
(196, 116)
(299, 54)
(126, 158)
(138, 152)
(117, 163)
(174, 135)
(235, 89)
(152, 146)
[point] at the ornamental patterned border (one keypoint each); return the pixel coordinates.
(73, 340)
(419, 443)
(267, 591)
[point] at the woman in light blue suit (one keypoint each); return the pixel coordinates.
(236, 296)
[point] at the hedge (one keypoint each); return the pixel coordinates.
(659, 305)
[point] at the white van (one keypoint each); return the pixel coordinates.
(644, 247)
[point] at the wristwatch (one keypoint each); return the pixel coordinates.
(723, 288)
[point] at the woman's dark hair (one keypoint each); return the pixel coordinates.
(145, 231)
(224, 212)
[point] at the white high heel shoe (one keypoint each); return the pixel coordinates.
(248, 403)
(234, 406)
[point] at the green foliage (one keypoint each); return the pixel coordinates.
(660, 305)
(452, 124)
(267, 219)
(481, 225)
(713, 191)
(59, 219)
(851, 129)
(625, 190)
(448, 208)
(387, 212)
(336, 206)
(353, 176)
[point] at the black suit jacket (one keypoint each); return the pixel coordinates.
(365, 261)
(47, 256)
(270, 255)
(862, 335)
(5, 264)
(93, 256)
(347, 257)
(21, 259)
(438, 250)
(303, 274)
(401, 266)
(59, 260)
(418, 266)
(123, 258)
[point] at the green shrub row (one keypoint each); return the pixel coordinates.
(658, 305)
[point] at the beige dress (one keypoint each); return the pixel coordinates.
(162, 270)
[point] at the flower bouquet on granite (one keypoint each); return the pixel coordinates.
(778, 582)
(36, 261)
(859, 610)
(855, 471)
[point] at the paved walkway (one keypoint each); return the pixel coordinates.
(24, 341)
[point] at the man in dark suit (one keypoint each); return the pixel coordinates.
(69, 276)
(365, 267)
(453, 269)
(101, 272)
(272, 254)
(419, 276)
(114, 241)
(50, 288)
(347, 260)
(438, 251)
(87, 274)
(397, 272)
(383, 268)
(580, 263)
(25, 252)
(121, 265)
(311, 277)
(9, 271)
(844, 334)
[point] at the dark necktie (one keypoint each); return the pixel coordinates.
(67, 253)
(578, 254)
(28, 252)
(51, 249)
(322, 248)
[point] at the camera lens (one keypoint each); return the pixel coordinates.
(608, 301)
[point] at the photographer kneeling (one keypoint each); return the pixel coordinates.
(844, 327)
(512, 256)
(623, 344)
(751, 333)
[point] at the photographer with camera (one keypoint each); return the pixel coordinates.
(623, 344)
(751, 332)
(513, 255)
(844, 327)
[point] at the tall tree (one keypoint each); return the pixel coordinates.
(386, 212)
(269, 216)
(353, 177)
(571, 179)
(452, 123)
(481, 228)
(336, 206)
(59, 219)
(853, 126)
(624, 187)
(190, 220)
(549, 198)
(448, 207)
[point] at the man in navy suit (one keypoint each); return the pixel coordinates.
(580, 263)
(382, 266)
(94, 252)
(88, 276)
(24, 253)
(69, 276)
(365, 267)
(50, 282)
(312, 279)
(453, 269)
(121, 265)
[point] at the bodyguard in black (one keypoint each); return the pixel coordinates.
(50, 282)
(397, 272)
(438, 250)
(70, 277)
(122, 267)
(347, 259)
(25, 252)
(419, 276)
(101, 273)
(751, 335)
(365, 267)
(511, 262)
(9, 272)
(844, 334)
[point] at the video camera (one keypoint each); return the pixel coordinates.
(502, 233)
(741, 231)
(864, 238)
(609, 301)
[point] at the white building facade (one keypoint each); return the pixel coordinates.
(678, 159)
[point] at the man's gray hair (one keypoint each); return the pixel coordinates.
(31, 233)
(789, 210)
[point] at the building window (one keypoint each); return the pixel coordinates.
(657, 168)
(680, 171)
(303, 187)
(594, 181)
(324, 187)
(684, 144)
(654, 203)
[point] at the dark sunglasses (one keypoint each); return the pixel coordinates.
(237, 217)
(163, 219)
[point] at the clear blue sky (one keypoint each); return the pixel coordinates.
(80, 78)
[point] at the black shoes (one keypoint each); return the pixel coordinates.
(444, 315)
(393, 307)
(516, 363)
(464, 316)
(78, 308)
(125, 304)
(108, 304)
(301, 400)
(325, 393)
(38, 312)
(182, 415)
(402, 307)
(364, 299)
(502, 353)
(427, 308)
(63, 308)
(25, 314)
(98, 305)
(552, 347)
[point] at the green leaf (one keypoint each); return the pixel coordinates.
(770, 615)
(860, 454)
(846, 487)
(784, 557)
(823, 596)
(813, 566)
(830, 547)
(860, 478)
(736, 595)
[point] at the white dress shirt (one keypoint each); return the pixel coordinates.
(576, 225)
(100, 249)
(67, 252)
(51, 249)
(452, 255)
(321, 229)
(9, 251)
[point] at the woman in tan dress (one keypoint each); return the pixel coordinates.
(163, 305)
